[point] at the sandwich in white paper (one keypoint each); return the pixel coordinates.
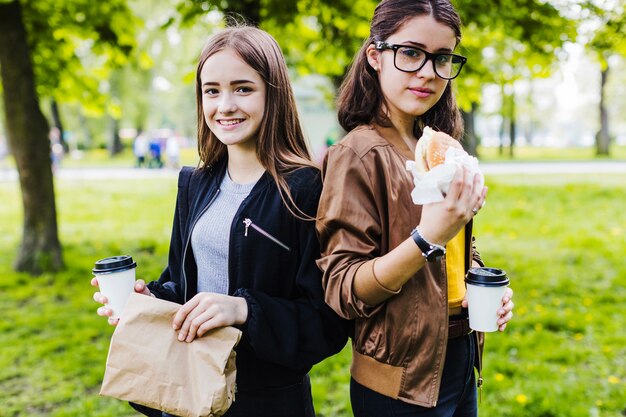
(437, 157)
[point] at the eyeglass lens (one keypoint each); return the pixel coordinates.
(412, 59)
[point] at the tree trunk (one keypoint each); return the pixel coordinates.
(27, 130)
(56, 119)
(470, 140)
(603, 139)
(116, 143)
(512, 126)
(503, 113)
(84, 126)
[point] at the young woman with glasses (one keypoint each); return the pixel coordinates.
(413, 351)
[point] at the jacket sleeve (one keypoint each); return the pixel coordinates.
(349, 229)
(299, 332)
(168, 287)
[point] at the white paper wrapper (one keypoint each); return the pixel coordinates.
(431, 187)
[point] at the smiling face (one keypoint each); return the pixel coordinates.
(409, 95)
(233, 99)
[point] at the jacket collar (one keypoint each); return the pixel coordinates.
(217, 172)
(391, 136)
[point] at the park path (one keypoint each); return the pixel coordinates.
(488, 168)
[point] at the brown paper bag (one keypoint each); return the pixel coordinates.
(147, 364)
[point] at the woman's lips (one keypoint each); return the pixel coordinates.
(421, 92)
(229, 122)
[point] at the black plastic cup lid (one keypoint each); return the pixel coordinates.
(114, 264)
(487, 277)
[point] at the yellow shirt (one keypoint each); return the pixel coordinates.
(455, 267)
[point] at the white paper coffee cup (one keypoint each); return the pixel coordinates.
(116, 280)
(485, 289)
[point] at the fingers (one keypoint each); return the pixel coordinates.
(502, 321)
(188, 328)
(183, 312)
(107, 312)
(506, 311)
(94, 282)
(458, 184)
(142, 288)
(99, 298)
(197, 323)
(207, 311)
(480, 193)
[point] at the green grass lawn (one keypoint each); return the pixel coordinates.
(562, 241)
(536, 153)
(189, 156)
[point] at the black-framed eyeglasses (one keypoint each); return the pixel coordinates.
(412, 59)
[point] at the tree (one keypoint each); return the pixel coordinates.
(28, 137)
(322, 36)
(45, 50)
(608, 40)
(513, 40)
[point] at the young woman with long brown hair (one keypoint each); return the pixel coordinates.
(382, 255)
(243, 246)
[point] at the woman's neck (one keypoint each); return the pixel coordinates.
(243, 166)
(402, 126)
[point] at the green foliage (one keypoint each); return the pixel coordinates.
(74, 46)
(609, 39)
(507, 41)
(561, 239)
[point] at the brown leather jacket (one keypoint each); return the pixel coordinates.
(365, 210)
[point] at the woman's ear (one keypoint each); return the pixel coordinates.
(373, 57)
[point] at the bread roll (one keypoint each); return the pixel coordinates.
(431, 149)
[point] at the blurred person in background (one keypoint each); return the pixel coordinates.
(140, 149)
(172, 151)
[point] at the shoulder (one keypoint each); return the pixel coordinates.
(361, 141)
(362, 148)
(304, 180)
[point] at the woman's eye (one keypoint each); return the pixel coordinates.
(210, 91)
(444, 59)
(244, 89)
(410, 53)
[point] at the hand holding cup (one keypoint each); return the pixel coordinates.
(488, 299)
(115, 277)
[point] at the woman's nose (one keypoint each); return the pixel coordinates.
(428, 69)
(227, 105)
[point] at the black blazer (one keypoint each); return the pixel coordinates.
(272, 265)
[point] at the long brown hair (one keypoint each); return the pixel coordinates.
(360, 98)
(280, 147)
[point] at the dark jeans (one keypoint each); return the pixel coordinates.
(457, 395)
(290, 401)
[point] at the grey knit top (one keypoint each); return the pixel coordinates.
(211, 236)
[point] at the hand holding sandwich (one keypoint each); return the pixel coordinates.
(448, 185)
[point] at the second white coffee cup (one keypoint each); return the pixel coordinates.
(485, 289)
(116, 280)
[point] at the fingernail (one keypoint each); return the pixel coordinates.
(181, 337)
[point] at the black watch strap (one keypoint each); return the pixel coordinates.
(432, 252)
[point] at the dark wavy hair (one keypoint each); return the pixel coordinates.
(281, 146)
(360, 99)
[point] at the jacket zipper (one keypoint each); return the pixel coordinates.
(249, 223)
(189, 239)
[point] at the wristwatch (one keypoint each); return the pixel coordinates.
(432, 252)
